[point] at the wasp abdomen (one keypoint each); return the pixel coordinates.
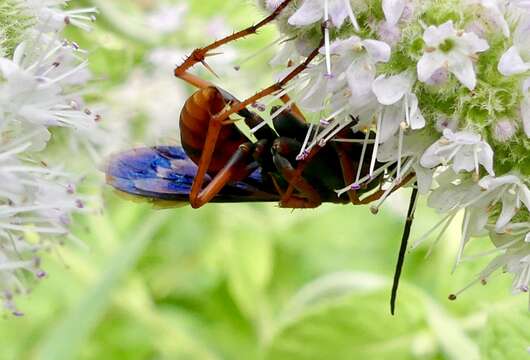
(194, 121)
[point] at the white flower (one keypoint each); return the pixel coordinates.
(513, 60)
(448, 48)
(312, 11)
(400, 104)
(465, 150)
(511, 191)
(40, 87)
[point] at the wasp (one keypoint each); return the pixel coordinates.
(217, 162)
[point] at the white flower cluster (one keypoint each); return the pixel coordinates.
(441, 88)
(41, 83)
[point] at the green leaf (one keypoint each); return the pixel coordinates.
(68, 337)
(354, 326)
(506, 335)
(248, 261)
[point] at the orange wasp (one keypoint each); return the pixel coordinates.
(219, 163)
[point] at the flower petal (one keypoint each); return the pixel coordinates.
(509, 209)
(380, 51)
(417, 121)
(389, 90)
(393, 10)
(491, 182)
(310, 12)
(423, 178)
(391, 118)
(511, 63)
(485, 158)
(434, 35)
(337, 12)
(428, 64)
(462, 68)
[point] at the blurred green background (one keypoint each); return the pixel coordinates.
(242, 281)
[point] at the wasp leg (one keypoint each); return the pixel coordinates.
(199, 55)
(293, 107)
(348, 172)
(240, 165)
(195, 80)
(282, 148)
(238, 106)
(403, 249)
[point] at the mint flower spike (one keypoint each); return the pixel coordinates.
(41, 79)
(439, 89)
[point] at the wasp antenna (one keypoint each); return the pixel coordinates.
(209, 68)
(403, 249)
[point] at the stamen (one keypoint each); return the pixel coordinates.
(326, 37)
(328, 129)
(400, 150)
(335, 132)
(79, 67)
(475, 157)
(464, 238)
(280, 94)
(490, 252)
(376, 145)
(375, 208)
(303, 153)
(363, 154)
(425, 236)
(259, 52)
(353, 141)
(440, 235)
(407, 109)
(376, 173)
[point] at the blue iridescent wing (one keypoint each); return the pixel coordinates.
(167, 173)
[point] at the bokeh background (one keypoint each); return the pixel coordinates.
(240, 281)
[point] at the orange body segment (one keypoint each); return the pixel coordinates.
(195, 118)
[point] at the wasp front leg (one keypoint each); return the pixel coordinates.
(240, 166)
(282, 150)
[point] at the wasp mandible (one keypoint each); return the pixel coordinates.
(219, 163)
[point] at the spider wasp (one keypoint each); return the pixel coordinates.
(219, 163)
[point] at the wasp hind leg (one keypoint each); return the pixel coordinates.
(240, 165)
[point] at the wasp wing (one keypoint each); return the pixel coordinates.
(167, 173)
